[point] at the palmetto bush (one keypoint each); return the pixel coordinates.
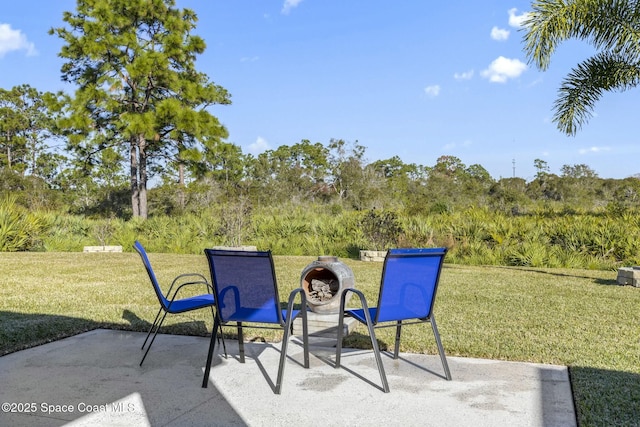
(19, 229)
(477, 253)
(600, 238)
(529, 254)
(474, 236)
(418, 231)
(306, 232)
(469, 226)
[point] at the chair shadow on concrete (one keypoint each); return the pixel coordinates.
(199, 328)
(253, 353)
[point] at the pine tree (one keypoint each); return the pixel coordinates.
(138, 90)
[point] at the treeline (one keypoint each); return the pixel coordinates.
(336, 176)
(311, 199)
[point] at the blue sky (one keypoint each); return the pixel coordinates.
(415, 79)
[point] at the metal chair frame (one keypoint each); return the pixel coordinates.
(372, 322)
(170, 304)
(283, 321)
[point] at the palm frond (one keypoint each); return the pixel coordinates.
(609, 25)
(584, 86)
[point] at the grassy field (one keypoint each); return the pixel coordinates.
(578, 318)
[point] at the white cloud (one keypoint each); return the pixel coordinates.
(11, 40)
(432, 91)
(249, 58)
(499, 34)
(467, 75)
(503, 69)
(453, 145)
(593, 150)
(515, 20)
(288, 5)
(261, 145)
(536, 82)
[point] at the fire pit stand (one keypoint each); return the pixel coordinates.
(323, 281)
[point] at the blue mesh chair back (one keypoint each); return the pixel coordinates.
(246, 290)
(245, 286)
(152, 276)
(409, 283)
(408, 289)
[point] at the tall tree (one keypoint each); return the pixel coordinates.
(445, 179)
(27, 124)
(346, 166)
(300, 169)
(542, 168)
(579, 185)
(578, 171)
(611, 26)
(478, 181)
(138, 89)
(398, 178)
(289, 173)
(545, 184)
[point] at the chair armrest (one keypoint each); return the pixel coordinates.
(363, 301)
(202, 281)
(292, 297)
(343, 298)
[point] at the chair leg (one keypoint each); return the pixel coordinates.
(340, 330)
(372, 335)
(396, 349)
(283, 355)
(212, 345)
(376, 352)
(339, 337)
(240, 342)
(285, 339)
(154, 338)
(221, 336)
(443, 357)
(151, 328)
(305, 336)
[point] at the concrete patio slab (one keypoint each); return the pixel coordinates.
(94, 379)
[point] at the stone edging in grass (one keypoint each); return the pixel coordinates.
(102, 249)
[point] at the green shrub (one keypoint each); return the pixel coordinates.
(19, 229)
(546, 238)
(381, 229)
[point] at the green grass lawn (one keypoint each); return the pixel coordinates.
(578, 318)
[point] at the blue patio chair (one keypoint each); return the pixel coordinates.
(407, 293)
(170, 303)
(246, 290)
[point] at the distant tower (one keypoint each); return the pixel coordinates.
(514, 167)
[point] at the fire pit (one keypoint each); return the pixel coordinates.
(323, 281)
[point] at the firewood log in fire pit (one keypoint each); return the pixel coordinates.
(323, 290)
